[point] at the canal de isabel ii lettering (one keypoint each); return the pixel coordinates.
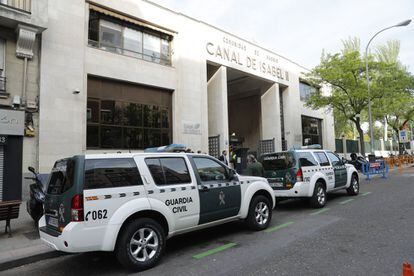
(250, 62)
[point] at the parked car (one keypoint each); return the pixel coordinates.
(309, 173)
(131, 203)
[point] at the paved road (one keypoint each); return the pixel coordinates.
(371, 234)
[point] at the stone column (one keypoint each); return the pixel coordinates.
(270, 125)
(218, 123)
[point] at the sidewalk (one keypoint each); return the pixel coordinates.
(24, 246)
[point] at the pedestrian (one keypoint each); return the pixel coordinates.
(223, 157)
(254, 167)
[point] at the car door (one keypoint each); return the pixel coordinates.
(339, 169)
(173, 185)
(325, 168)
(220, 196)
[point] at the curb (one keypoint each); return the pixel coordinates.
(30, 259)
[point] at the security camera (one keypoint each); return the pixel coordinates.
(76, 91)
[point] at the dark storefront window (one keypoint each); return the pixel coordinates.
(116, 124)
(122, 115)
(311, 131)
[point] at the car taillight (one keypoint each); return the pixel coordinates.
(76, 211)
(299, 176)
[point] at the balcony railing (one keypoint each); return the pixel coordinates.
(23, 5)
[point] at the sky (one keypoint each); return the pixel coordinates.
(300, 29)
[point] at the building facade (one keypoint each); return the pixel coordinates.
(125, 75)
(21, 25)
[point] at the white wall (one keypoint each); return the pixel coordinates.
(271, 116)
(62, 114)
(217, 107)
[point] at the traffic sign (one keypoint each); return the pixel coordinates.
(403, 136)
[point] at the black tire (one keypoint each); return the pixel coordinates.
(319, 197)
(353, 189)
(258, 202)
(124, 247)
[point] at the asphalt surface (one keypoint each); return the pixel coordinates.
(370, 234)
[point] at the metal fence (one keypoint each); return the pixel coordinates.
(266, 146)
(353, 146)
(214, 146)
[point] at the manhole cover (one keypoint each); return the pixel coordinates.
(34, 235)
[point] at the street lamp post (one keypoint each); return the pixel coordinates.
(371, 127)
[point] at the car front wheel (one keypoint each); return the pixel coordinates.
(354, 187)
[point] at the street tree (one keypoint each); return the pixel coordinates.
(344, 73)
(397, 104)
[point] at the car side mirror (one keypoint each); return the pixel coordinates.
(32, 170)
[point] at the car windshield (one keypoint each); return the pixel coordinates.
(278, 161)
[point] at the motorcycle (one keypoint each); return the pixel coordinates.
(34, 205)
(357, 161)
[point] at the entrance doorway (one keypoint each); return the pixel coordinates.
(243, 112)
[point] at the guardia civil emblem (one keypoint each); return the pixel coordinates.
(221, 198)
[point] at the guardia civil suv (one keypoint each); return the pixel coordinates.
(131, 203)
(309, 173)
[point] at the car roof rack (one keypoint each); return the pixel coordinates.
(169, 148)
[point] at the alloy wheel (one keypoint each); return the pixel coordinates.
(321, 196)
(261, 213)
(144, 244)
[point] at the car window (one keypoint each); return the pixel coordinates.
(322, 159)
(278, 161)
(62, 177)
(210, 170)
(168, 170)
(306, 159)
(334, 159)
(111, 173)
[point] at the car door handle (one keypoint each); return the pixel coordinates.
(205, 189)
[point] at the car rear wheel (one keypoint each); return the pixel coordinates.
(354, 187)
(260, 213)
(141, 244)
(319, 197)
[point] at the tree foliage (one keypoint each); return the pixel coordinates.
(391, 86)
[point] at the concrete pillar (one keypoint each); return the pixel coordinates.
(344, 149)
(270, 121)
(218, 123)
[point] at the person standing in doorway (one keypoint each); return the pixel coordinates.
(223, 157)
(254, 167)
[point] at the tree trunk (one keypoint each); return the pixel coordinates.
(361, 135)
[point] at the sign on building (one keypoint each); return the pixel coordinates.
(11, 122)
(191, 128)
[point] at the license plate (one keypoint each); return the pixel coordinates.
(276, 184)
(53, 222)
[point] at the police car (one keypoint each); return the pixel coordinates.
(131, 203)
(309, 173)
